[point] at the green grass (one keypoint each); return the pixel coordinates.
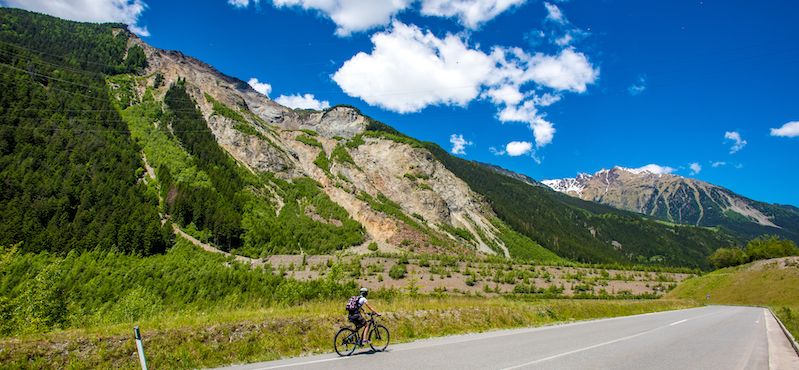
(158, 146)
(308, 140)
(193, 339)
(267, 233)
(341, 155)
(748, 285)
(323, 162)
(225, 111)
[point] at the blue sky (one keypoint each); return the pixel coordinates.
(548, 89)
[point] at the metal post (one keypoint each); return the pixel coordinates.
(140, 348)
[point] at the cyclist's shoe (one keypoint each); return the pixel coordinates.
(365, 342)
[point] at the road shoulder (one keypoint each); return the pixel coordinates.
(781, 354)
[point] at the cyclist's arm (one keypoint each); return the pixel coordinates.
(370, 307)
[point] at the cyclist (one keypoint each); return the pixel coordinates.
(354, 307)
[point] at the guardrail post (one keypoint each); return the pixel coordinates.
(140, 348)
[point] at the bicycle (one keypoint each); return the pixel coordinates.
(348, 339)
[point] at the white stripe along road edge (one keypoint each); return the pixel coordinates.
(301, 363)
(678, 322)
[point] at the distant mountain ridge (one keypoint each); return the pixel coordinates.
(681, 200)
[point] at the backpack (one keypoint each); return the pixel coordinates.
(352, 305)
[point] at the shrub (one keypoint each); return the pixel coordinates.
(341, 155)
(397, 272)
(323, 162)
(766, 247)
(307, 140)
(372, 247)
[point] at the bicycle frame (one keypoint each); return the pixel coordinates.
(370, 322)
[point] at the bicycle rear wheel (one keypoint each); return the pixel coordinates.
(379, 338)
(345, 341)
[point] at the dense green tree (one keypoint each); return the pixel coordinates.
(766, 247)
(726, 257)
(67, 164)
(41, 292)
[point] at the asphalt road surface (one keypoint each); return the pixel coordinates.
(714, 337)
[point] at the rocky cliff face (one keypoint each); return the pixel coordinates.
(431, 201)
(675, 198)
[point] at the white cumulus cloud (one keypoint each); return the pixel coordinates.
(459, 144)
(470, 13)
(790, 129)
(554, 14)
(543, 130)
(239, 3)
(409, 69)
(261, 87)
(306, 101)
(351, 15)
(122, 11)
(652, 168)
(361, 15)
(718, 164)
(695, 168)
(738, 143)
(517, 148)
(569, 70)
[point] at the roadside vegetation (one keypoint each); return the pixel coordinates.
(205, 338)
(43, 292)
(201, 309)
(773, 283)
(761, 248)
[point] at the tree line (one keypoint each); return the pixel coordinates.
(761, 248)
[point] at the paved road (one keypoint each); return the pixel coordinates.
(715, 337)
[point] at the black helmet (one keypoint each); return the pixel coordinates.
(364, 292)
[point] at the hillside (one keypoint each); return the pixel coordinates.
(681, 200)
(585, 231)
(773, 283)
(99, 118)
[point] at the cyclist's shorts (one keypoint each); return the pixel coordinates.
(357, 319)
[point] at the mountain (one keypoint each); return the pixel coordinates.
(681, 200)
(105, 141)
(506, 172)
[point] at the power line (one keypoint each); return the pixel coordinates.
(56, 56)
(73, 129)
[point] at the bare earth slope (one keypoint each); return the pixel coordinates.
(429, 208)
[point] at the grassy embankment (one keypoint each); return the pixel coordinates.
(773, 283)
(202, 339)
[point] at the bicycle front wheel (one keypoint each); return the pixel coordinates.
(378, 338)
(345, 341)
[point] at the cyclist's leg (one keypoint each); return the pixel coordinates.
(365, 337)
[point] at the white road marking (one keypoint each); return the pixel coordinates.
(580, 350)
(502, 333)
(301, 363)
(603, 344)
